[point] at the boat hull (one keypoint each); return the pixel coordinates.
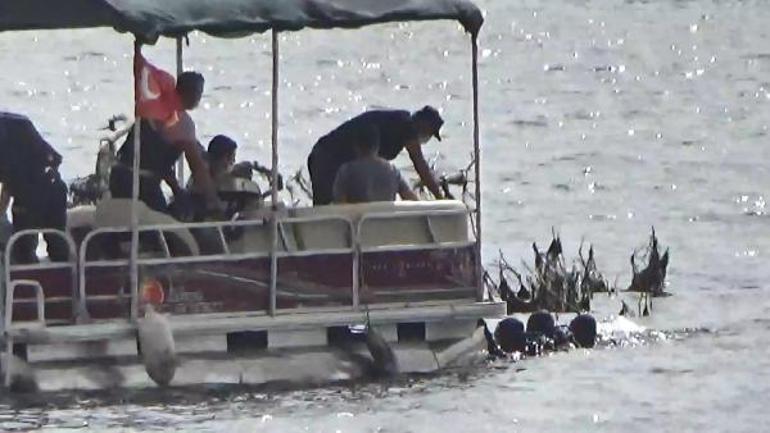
(300, 348)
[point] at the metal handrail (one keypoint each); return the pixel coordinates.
(360, 250)
(355, 248)
(39, 300)
(83, 263)
(71, 263)
(436, 245)
(8, 317)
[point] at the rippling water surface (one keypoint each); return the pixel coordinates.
(600, 118)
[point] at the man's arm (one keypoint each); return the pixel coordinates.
(404, 191)
(200, 173)
(188, 144)
(422, 168)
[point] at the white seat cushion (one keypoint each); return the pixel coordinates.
(415, 227)
(116, 212)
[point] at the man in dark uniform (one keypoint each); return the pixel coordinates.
(397, 129)
(29, 174)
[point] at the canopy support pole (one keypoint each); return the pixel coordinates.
(179, 70)
(274, 178)
(477, 164)
(134, 257)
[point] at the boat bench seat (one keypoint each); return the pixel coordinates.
(417, 223)
(381, 224)
(116, 212)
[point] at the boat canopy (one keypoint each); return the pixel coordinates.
(150, 19)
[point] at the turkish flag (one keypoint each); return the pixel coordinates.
(154, 91)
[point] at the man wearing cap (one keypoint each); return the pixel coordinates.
(397, 129)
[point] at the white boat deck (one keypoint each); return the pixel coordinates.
(292, 320)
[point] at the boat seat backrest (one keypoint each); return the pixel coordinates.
(258, 238)
(322, 235)
(116, 212)
(416, 224)
(81, 216)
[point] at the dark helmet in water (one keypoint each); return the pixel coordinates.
(510, 335)
(583, 328)
(541, 323)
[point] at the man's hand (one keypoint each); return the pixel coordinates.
(172, 183)
(423, 170)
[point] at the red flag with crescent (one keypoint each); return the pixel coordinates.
(155, 91)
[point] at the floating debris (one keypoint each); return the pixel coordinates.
(551, 285)
(651, 279)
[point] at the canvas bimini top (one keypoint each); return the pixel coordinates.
(150, 19)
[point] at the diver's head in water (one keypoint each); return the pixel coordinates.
(510, 335)
(583, 328)
(541, 323)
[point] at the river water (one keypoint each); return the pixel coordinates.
(599, 119)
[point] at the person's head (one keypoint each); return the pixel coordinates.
(221, 152)
(583, 328)
(510, 335)
(428, 123)
(367, 141)
(189, 86)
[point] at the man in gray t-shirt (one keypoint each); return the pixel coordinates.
(369, 177)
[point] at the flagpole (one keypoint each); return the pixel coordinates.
(134, 258)
(179, 70)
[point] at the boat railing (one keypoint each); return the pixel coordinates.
(162, 230)
(437, 239)
(39, 300)
(10, 268)
(428, 216)
(356, 229)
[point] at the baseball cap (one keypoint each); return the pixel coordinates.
(430, 116)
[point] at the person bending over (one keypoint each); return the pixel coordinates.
(395, 130)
